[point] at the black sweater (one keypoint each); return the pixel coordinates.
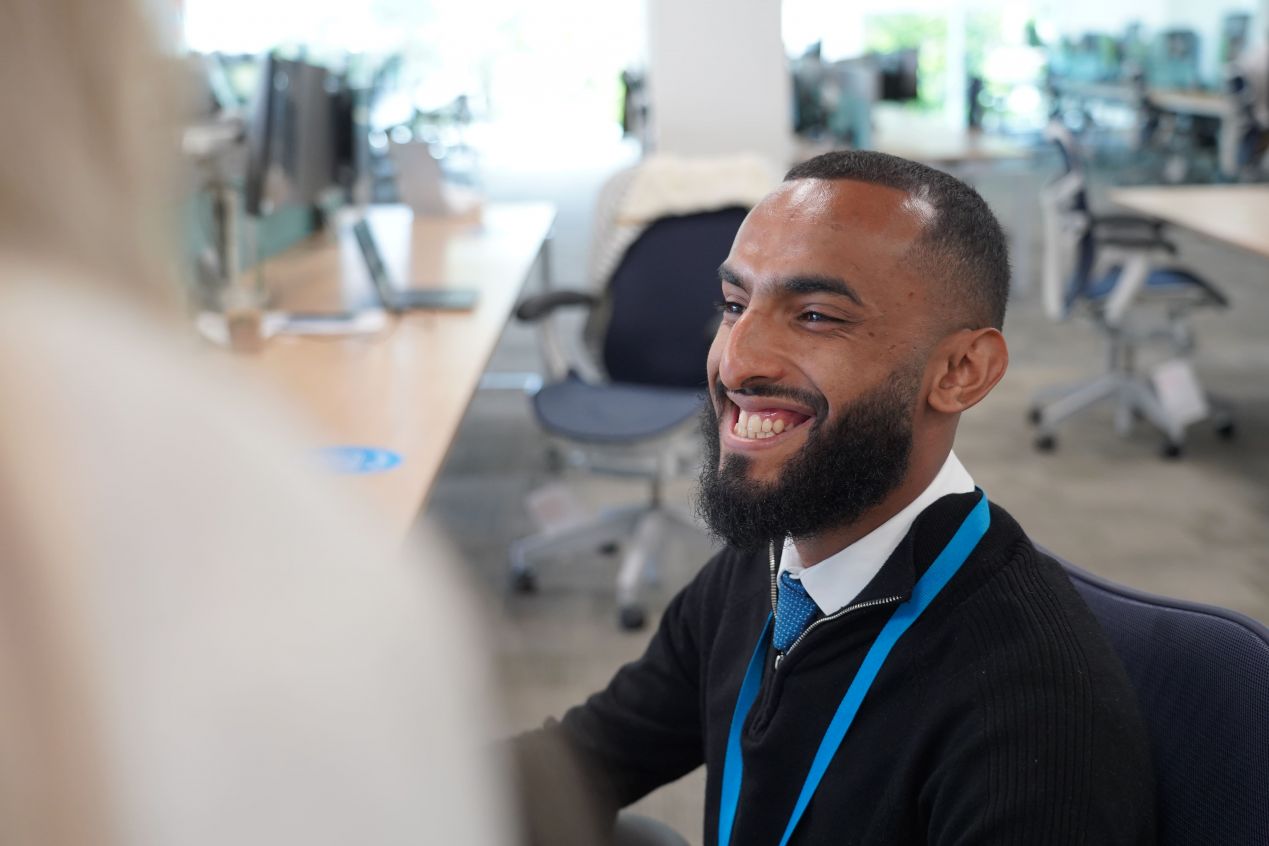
(1001, 716)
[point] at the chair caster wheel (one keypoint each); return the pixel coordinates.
(554, 461)
(610, 548)
(1034, 416)
(1045, 443)
(631, 618)
(1227, 431)
(524, 581)
(1171, 451)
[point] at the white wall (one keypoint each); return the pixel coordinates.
(718, 78)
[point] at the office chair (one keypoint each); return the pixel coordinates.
(638, 830)
(1107, 267)
(1201, 675)
(636, 416)
(1253, 138)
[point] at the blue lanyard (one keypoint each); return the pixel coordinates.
(927, 587)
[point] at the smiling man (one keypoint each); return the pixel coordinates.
(879, 655)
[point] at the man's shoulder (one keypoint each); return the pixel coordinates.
(1033, 689)
(1018, 615)
(1008, 570)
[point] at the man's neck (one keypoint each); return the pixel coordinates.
(812, 550)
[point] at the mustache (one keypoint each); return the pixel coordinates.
(811, 399)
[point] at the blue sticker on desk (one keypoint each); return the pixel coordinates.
(354, 460)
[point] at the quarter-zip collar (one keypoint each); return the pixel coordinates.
(838, 580)
(893, 583)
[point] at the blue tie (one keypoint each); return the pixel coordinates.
(794, 609)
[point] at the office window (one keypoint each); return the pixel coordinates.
(511, 59)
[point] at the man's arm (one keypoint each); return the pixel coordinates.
(642, 731)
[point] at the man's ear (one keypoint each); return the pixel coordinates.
(968, 364)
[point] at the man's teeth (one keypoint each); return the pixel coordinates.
(754, 427)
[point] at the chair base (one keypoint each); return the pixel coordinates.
(646, 526)
(1134, 400)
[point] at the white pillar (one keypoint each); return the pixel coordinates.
(718, 79)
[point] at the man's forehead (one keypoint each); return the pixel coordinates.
(843, 204)
(842, 227)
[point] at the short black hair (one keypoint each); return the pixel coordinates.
(963, 244)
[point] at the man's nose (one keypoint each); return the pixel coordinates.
(752, 352)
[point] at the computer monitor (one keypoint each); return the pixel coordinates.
(1235, 35)
(1176, 60)
(898, 75)
(300, 137)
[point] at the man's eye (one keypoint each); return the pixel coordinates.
(730, 307)
(818, 317)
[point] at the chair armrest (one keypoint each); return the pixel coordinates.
(1128, 221)
(537, 307)
(636, 830)
(1137, 243)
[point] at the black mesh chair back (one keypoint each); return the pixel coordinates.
(1202, 679)
(651, 331)
(662, 300)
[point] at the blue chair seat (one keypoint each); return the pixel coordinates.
(1164, 280)
(613, 413)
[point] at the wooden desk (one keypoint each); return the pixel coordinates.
(1119, 93)
(1200, 103)
(927, 139)
(1233, 214)
(407, 388)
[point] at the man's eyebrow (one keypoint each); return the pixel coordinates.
(731, 277)
(798, 284)
(821, 285)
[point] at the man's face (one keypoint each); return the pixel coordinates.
(816, 371)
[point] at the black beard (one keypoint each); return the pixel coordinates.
(846, 467)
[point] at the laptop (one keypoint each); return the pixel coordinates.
(397, 299)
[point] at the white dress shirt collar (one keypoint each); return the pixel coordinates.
(837, 580)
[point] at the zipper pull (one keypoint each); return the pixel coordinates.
(779, 657)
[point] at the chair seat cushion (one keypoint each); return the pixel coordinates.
(1162, 282)
(615, 413)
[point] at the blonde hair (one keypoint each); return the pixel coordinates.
(84, 172)
(84, 154)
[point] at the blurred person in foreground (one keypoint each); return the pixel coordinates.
(879, 655)
(200, 642)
